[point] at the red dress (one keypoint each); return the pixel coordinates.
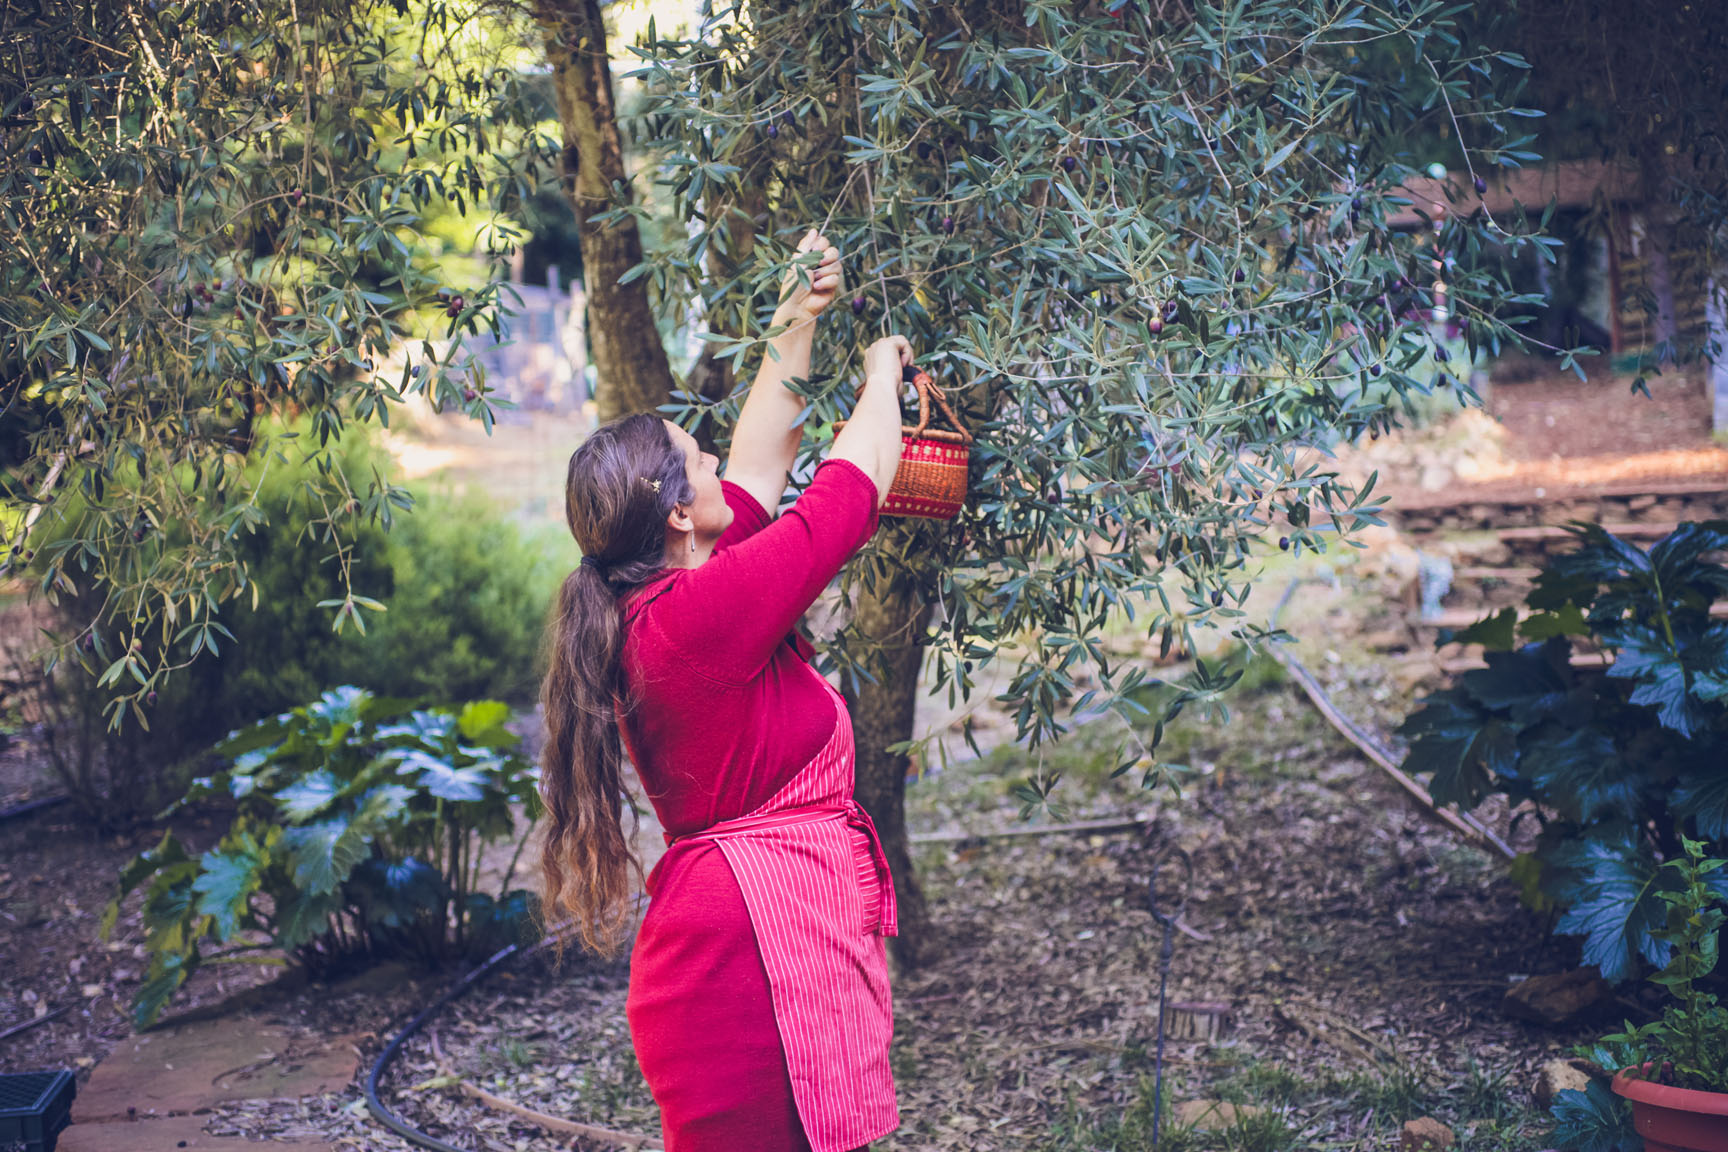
(758, 1010)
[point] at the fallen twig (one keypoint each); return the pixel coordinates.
(1118, 825)
(1463, 823)
(29, 1024)
(549, 1123)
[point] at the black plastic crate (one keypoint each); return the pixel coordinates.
(35, 1108)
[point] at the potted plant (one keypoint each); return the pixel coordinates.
(1678, 1079)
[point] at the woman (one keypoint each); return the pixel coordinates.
(758, 1001)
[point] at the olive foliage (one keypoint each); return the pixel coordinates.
(1146, 248)
(214, 213)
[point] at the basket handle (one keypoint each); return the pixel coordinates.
(928, 391)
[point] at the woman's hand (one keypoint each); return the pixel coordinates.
(806, 292)
(887, 358)
(871, 439)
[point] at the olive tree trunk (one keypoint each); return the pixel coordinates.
(623, 340)
(890, 623)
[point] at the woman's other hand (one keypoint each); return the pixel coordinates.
(887, 357)
(807, 291)
(871, 439)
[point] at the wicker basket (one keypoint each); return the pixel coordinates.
(931, 481)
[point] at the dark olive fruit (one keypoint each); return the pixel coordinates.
(1375, 369)
(773, 131)
(150, 699)
(1068, 163)
(857, 305)
(1481, 186)
(89, 643)
(469, 395)
(26, 104)
(415, 371)
(1284, 543)
(34, 156)
(296, 196)
(1441, 354)
(788, 116)
(923, 150)
(1171, 310)
(1217, 599)
(1240, 275)
(1155, 325)
(1355, 203)
(948, 225)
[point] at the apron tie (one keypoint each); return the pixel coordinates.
(853, 813)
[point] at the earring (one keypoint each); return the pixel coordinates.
(692, 543)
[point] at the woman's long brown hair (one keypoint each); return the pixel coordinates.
(623, 482)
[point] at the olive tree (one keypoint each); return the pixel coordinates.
(213, 211)
(1144, 247)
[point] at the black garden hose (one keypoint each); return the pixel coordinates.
(376, 1106)
(492, 963)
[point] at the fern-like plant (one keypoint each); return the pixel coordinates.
(1620, 765)
(358, 827)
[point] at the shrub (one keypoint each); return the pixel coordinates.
(1619, 764)
(465, 590)
(358, 827)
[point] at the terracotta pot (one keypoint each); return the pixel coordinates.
(1675, 1119)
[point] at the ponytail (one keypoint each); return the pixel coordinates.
(622, 484)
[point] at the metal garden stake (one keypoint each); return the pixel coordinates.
(1166, 915)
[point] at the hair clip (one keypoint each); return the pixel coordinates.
(654, 484)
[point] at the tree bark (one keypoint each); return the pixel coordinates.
(1659, 243)
(890, 623)
(623, 340)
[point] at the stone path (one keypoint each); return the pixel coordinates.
(146, 1096)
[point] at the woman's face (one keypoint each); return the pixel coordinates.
(708, 511)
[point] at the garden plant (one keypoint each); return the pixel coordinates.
(358, 829)
(1619, 765)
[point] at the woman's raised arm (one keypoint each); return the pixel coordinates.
(871, 438)
(765, 443)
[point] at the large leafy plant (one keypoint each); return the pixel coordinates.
(1619, 764)
(359, 826)
(1687, 1046)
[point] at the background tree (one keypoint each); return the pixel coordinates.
(1645, 86)
(631, 366)
(215, 226)
(1144, 247)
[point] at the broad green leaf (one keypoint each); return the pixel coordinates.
(482, 719)
(1608, 885)
(308, 796)
(325, 853)
(225, 884)
(1496, 632)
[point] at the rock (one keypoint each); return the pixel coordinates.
(1555, 998)
(1425, 1135)
(1558, 1076)
(1213, 1115)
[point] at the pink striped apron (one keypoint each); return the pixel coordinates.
(820, 899)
